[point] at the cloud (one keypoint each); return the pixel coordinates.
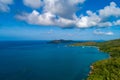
(4, 5)
(88, 21)
(105, 24)
(111, 10)
(62, 13)
(55, 12)
(36, 18)
(117, 23)
(48, 18)
(62, 8)
(33, 3)
(109, 33)
(92, 20)
(100, 19)
(44, 19)
(99, 32)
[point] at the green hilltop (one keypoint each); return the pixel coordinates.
(108, 69)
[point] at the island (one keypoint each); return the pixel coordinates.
(108, 69)
(61, 41)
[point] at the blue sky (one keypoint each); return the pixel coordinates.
(59, 19)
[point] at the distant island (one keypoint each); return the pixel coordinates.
(61, 41)
(73, 41)
(108, 69)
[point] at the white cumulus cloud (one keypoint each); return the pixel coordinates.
(88, 21)
(99, 32)
(105, 24)
(111, 10)
(63, 8)
(33, 3)
(44, 19)
(62, 13)
(4, 5)
(117, 22)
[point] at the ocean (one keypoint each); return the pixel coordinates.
(38, 60)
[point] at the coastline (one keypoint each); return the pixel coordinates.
(92, 66)
(100, 70)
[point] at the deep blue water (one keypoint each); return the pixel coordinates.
(36, 60)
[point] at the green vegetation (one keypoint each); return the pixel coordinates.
(108, 69)
(111, 47)
(84, 44)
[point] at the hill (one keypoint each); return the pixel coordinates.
(108, 69)
(61, 41)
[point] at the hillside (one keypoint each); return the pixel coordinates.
(108, 69)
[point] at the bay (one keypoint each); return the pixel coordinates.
(37, 60)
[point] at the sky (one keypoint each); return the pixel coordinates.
(59, 19)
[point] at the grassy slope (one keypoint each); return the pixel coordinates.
(108, 69)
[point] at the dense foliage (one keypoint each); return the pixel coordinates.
(112, 47)
(108, 69)
(84, 44)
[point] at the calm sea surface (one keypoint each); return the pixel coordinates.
(37, 60)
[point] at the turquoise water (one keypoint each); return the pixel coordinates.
(42, 61)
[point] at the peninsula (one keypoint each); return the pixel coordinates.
(108, 69)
